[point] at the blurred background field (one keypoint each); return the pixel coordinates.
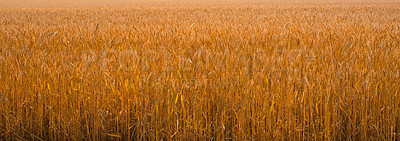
(127, 3)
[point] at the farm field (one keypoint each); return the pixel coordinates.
(252, 72)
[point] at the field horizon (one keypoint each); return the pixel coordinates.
(135, 3)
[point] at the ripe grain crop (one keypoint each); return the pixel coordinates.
(289, 72)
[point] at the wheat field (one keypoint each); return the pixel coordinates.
(254, 72)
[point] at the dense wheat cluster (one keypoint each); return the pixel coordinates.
(292, 72)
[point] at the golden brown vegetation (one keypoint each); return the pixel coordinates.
(201, 73)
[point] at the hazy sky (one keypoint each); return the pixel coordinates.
(85, 3)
